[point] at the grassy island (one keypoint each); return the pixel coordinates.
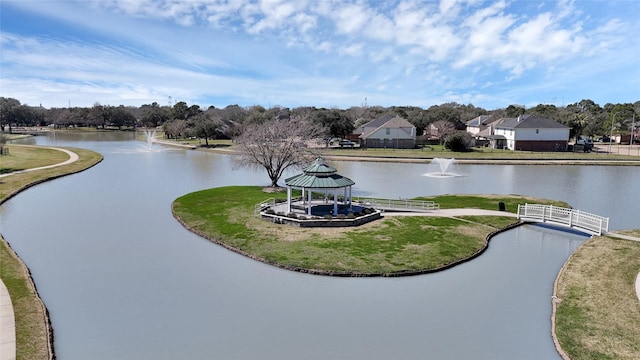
(388, 247)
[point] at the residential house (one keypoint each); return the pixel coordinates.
(482, 130)
(480, 123)
(533, 133)
(387, 132)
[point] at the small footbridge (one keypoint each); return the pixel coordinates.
(580, 220)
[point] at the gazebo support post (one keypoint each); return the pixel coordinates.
(321, 178)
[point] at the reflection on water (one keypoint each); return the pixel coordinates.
(123, 280)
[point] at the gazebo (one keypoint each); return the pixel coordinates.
(319, 177)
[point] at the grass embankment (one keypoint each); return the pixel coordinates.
(598, 314)
(27, 157)
(391, 246)
(478, 155)
(32, 333)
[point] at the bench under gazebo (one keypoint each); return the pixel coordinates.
(320, 178)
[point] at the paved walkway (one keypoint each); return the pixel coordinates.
(452, 212)
(7, 326)
(7, 319)
(72, 157)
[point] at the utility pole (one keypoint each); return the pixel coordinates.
(611, 135)
(633, 124)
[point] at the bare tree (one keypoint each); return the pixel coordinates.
(175, 128)
(275, 146)
(442, 129)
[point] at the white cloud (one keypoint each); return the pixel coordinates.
(409, 49)
(351, 19)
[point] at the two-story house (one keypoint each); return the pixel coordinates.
(387, 132)
(533, 133)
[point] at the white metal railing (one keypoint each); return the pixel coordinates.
(400, 204)
(593, 224)
(257, 208)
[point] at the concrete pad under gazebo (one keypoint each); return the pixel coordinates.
(320, 177)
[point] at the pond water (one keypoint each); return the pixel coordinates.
(123, 280)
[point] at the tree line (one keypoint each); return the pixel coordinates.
(183, 120)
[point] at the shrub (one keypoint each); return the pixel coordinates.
(327, 217)
(340, 216)
(350, 216)
(270, 212)
(292, 215)
(458, 141)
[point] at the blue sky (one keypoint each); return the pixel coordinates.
(319, 53)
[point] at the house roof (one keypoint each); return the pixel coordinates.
(319, 175)
(530, 122)
(391, 122)
(481, 120)
(376, 123)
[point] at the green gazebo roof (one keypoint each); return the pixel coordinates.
(319, 175)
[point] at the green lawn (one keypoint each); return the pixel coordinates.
(393, 245)
(26, 157)
(598, 314)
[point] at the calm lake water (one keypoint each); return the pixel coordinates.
(123, 280)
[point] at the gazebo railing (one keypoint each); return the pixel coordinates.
(257, 208)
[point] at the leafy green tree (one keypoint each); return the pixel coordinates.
(180, 111)
(336, 123)
(154, 115)
(99, 115)
(513, 111)
(458, 141)
(120, 117)
(206, 127)
(14, 113)
(8, 112)
(258, 115)
(578, 123)
(545, 110)
(620, 118)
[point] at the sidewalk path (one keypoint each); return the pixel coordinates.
(7, 326)
(452, 212)
(72, 158)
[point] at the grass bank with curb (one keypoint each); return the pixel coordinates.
(34, 337)
(597, 312)
(393, 246)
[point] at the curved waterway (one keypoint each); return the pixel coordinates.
(123, 280)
